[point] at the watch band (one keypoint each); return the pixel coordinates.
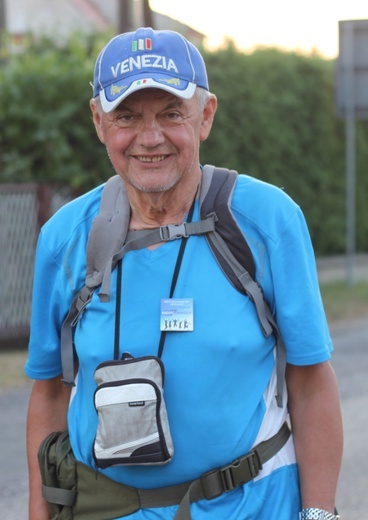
(313, 513)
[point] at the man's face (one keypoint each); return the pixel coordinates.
(153, 138)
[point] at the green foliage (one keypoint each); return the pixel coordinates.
(46, 130)
(276, 121)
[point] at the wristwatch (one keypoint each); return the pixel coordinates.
(313, 513)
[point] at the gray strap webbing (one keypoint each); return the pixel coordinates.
(146, 238)
(63, 497)
(77, 306)
(241, 471)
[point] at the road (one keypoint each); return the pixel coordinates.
(350, 361)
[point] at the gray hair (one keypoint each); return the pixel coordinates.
(203, 96)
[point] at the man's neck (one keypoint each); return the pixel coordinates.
(150, 210)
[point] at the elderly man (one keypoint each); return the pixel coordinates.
(152, 108)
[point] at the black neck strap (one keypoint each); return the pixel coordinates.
(172, 289)
(117, 311)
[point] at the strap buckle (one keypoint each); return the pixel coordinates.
(173, 231)
(84, 298)
(229, 477)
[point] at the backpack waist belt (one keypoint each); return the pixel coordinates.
(96, 497)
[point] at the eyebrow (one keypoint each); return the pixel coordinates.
(121, 107)
(176, 102)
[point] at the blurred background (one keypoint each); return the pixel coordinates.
(292, 83)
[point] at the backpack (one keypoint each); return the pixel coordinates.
(109, 240)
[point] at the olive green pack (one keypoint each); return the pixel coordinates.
(75, 491)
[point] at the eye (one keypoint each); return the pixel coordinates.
(173, 115)
(124, 117)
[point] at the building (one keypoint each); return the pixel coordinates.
(58, 19)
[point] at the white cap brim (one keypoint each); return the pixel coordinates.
(110, 105)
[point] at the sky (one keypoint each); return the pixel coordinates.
(311, 25)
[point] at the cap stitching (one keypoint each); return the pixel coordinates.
(101, 57)
(186, 44)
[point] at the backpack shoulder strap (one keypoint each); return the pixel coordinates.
(217, 190)
(233, 254)
(108, 231)
(106, 236)
(227, 242)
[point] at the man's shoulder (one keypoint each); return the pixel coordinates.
(248, 188)
(259, 197)
(262, 205)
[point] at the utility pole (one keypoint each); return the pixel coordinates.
(2, 30)
(352, 104)
(125, 16)
(147, 14)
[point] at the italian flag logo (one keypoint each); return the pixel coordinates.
(142, 44)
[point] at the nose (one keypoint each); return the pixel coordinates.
(150, 133)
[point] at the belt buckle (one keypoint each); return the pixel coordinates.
(240, 471)
(229, 477)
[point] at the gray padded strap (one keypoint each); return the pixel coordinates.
(243, 470)
(108, 230)
(63, 497)
(206, 180)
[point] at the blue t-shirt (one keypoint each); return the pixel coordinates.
(219, 378)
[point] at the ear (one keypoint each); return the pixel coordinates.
(208, 117)
(97, 119)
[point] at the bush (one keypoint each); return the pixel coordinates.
(47, 134)
(276, 121)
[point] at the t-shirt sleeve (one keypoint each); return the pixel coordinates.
(59, 273)
(298, 304)
(49, 307)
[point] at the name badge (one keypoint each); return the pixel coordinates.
(177, 315)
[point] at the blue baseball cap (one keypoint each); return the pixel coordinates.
(147, 59)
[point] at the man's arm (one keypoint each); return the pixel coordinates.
(317, 428)
(47, 412)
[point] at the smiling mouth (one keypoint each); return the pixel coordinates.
(145, 159)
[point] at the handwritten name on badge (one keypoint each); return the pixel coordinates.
(177, 315)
